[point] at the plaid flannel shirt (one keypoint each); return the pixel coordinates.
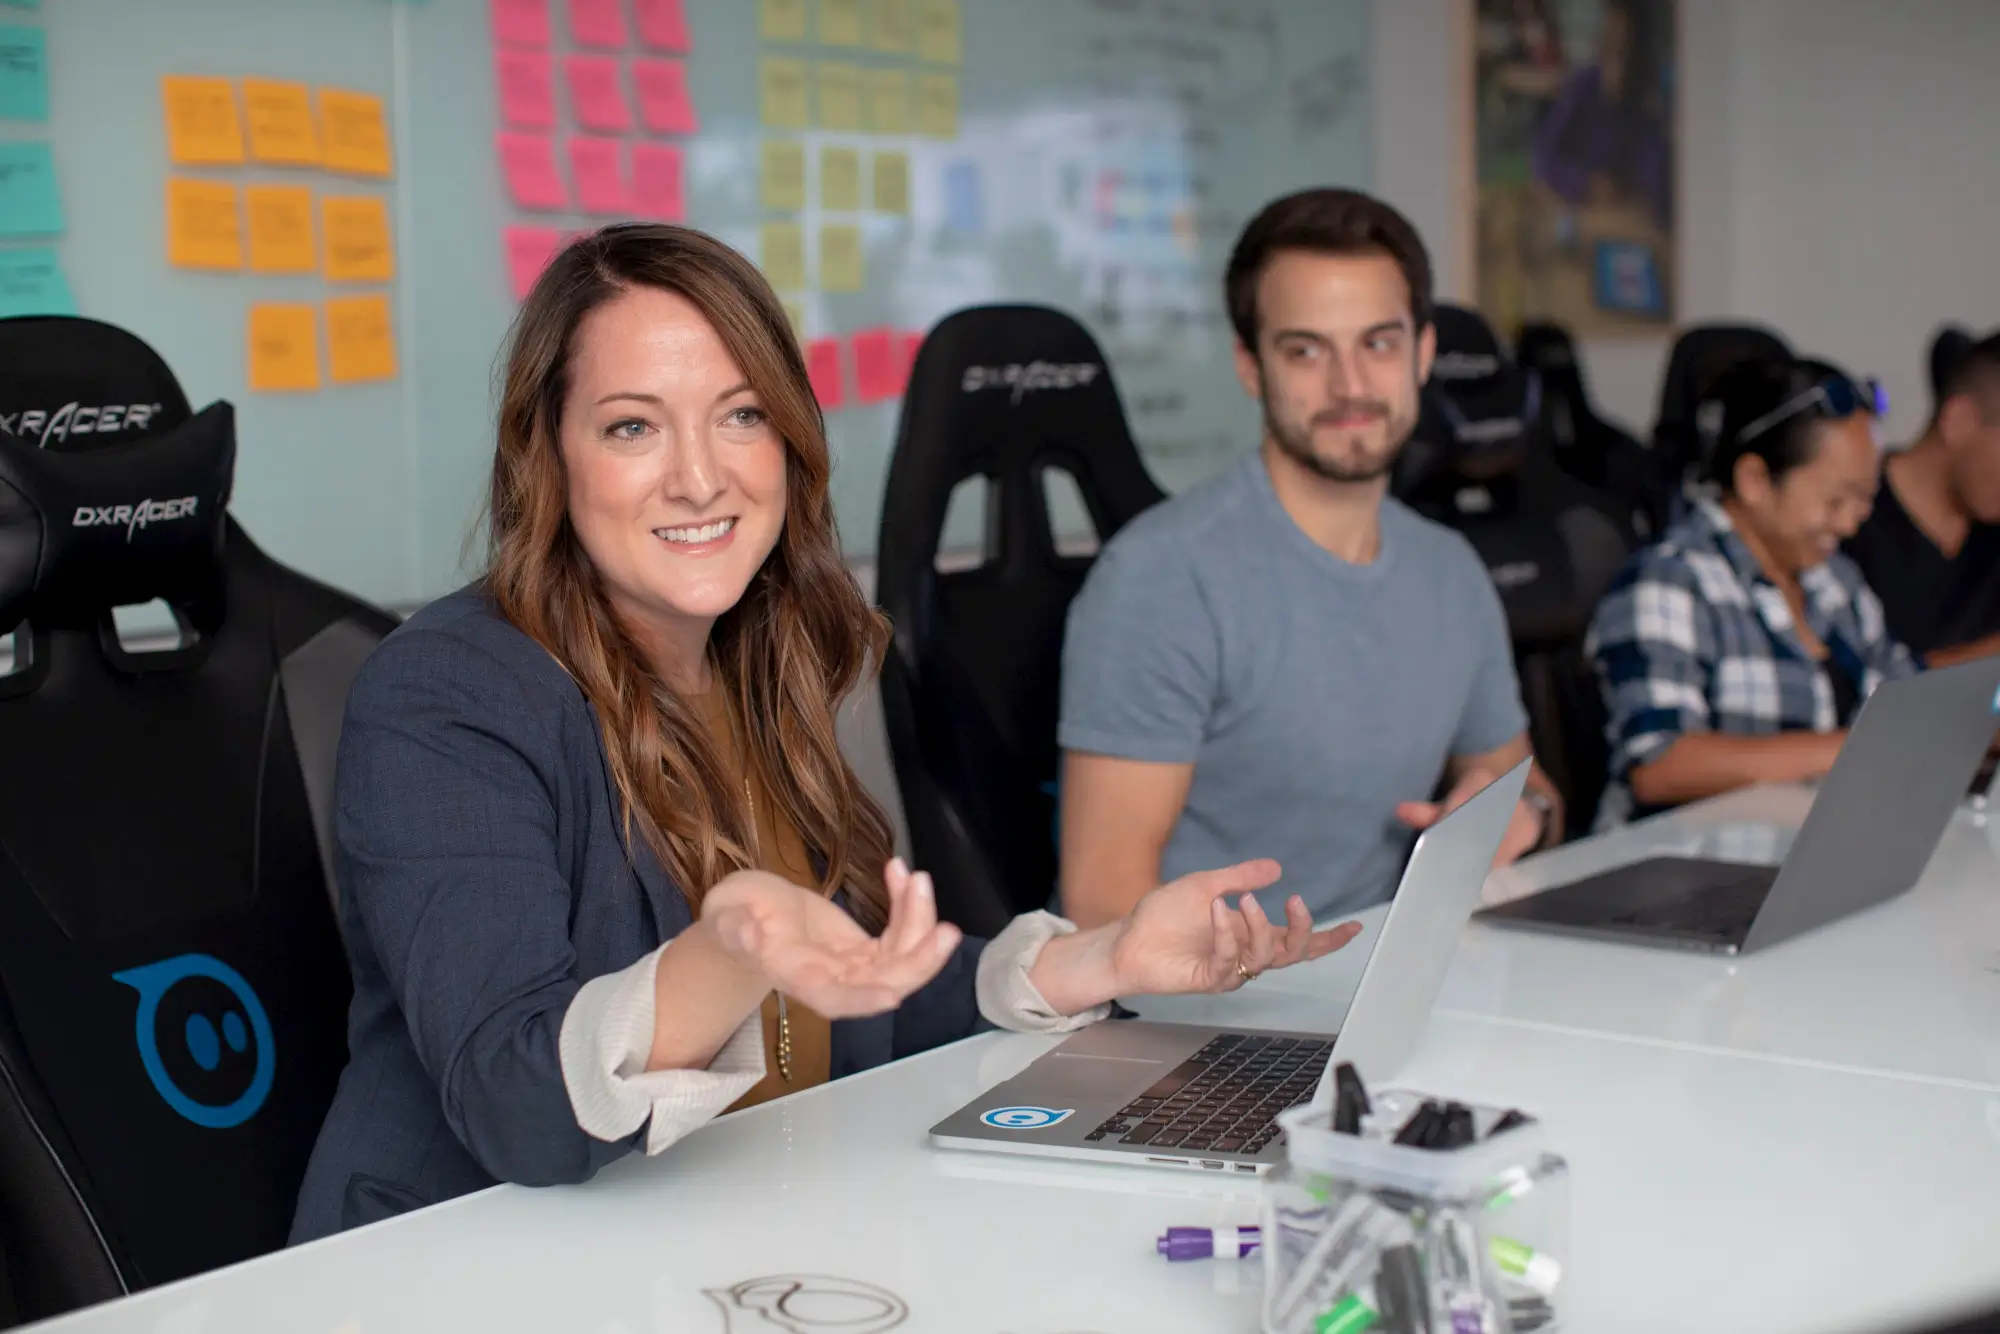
(1692, 637)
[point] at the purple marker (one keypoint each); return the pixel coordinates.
(1200, 1243)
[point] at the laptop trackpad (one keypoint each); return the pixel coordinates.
(1098, 1077)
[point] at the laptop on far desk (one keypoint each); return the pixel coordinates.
(1195, 1096)
(1874, 823)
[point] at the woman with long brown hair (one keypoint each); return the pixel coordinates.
(605, 873)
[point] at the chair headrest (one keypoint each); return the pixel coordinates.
(110, 493)
(1548, 349)
(1703, 352)
(1478, 407)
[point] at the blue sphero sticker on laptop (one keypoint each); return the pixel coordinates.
(1024, 1118)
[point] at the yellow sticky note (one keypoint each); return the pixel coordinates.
(840, 264)
(360, 339)
(892, 182)
(796, 313)
(892, 24)
(280, 222)
(783, 174)
(781, 93)
(354, 131)
(938, 39)
(284, 346)
(358, 245)
(783, 245)
(888, 101)
(281, 123)
(202, 128)
(839, 95)
(937, 105)
(840, 22)
(781, 20)
(839, 179)
(204, 225)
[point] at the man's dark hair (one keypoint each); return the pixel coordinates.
(1961, 366)
(1327, 222)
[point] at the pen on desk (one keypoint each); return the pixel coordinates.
(1201, 1243)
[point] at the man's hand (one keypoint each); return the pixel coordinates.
(1524, 831)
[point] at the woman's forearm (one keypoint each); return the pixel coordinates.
(701, 994)
(1706, 764)
(1075, 972)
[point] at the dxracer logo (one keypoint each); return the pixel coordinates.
(204, 1038)
(132, 517)
(1031, 378)
(41, 425)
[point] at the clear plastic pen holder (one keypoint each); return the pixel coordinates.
(1360, 1233)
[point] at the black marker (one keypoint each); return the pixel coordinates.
(1456, 1130)
(1350, 1103)
(1509, 1120)
(1399, 1292)
(1419, 1129)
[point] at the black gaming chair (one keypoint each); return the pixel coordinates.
(173, 991)
(1551, 543)
(1585, 445)
(970, 691)
(1699, 354)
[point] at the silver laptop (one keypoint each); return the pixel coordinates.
(1874, 823)
(1189, 1095)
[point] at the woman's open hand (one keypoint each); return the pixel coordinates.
(811, 950)
(1187, 936)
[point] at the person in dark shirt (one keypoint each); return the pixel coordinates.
(1931, 548)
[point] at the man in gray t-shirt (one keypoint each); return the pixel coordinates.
(1283, 662)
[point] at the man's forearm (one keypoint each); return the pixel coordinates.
(1095, 896)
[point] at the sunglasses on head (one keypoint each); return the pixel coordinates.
(1836, 396)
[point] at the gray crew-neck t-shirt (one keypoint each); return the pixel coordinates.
(1310, 694)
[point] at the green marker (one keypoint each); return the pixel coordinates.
(1350, 1316)
(1526, 1264)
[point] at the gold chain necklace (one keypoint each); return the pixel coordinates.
(757, 855)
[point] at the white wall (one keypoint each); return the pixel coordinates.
(1840, 176)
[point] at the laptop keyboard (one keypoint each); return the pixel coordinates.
(1223, 1099)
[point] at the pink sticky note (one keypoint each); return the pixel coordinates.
(657, 189)
(597, 166)
(599, 23)
(908, 343)
(521, 23)
(527, 90)
(664, 103)
(595, 95)
(823, 369)
(875, 366)
(529, 250)
(663, 26)
(528, 161)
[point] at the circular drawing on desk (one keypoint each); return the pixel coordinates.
(808, 1304)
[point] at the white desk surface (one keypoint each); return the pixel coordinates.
(1807, 1140)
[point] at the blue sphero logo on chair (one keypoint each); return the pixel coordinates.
(204, 1038)
(1025, 1118)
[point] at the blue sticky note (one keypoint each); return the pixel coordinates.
(32, 283)
(29, 205)
(964, 210)
(24, 74)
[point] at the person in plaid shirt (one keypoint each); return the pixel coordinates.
(1738, 648)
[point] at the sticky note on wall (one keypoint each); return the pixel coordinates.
(839, 179)
(937, 105)
(781, 20)
(283, 344)
(354, 132)
(839, 88)
(888, 101)
(596, 94)
(892, 183)
(840, 22)
(204, 225)
(892, 24)
(526, 80)
(29, 202)
(875, 362)
(32, 283)
(281, 125)
(781, 93)
(782, 246)
(24, 74)
(841, 267)
(528, 164)
(658, 191)
(823, 369)
(663, 26)
(279, 219)
(202, 127)
(529, 250)
(782, 169)
(597, 23)
(938, 36)
(597, 168)
(664, 103)
(360, 339)
(521, 23)
(359, 247)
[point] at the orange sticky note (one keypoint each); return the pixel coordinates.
(358, 244)
(908, 344)
(281, 228)
(663, 26)
(202, 127)
(354, 131)
(664, 103)
(281, 123)
(521, 23)
(595, 96)
(528, 161)
(599, 23)
(657, 189)
(284, 347)
(597, 167)
(360, 339)
(823, 369)
(529, 250)
(527, 89)
(875, 366)
(204, 225)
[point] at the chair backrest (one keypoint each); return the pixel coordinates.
(971, 688)
(1585, 445)
(173, 990)
(1700, 354)
(1551, 543)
